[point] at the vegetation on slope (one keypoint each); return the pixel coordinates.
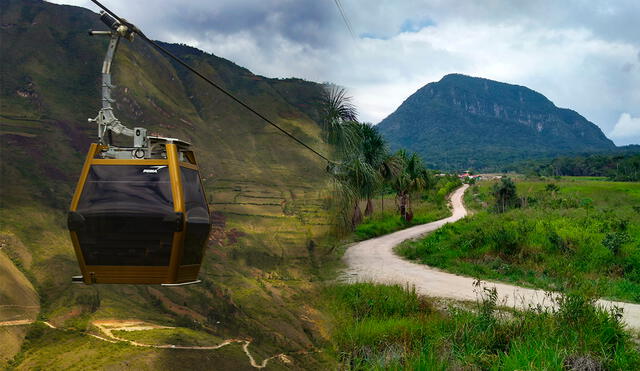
(265, 192)
(556, 235)
(381, 327)
(18, 301)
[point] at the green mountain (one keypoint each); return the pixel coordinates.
(467, 122)
(265, 192)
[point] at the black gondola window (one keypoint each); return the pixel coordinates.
(127, 211)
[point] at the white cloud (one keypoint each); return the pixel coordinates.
(581, 56)
(627, 129)
(573, 68)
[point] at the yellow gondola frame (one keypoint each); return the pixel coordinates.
(175, 272)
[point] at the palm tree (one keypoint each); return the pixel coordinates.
(337, 114)
(362, 178)
(354, 177)
(390, 168)
(375, 152)
(409, 181)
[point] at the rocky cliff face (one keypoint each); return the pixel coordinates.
(463, 121)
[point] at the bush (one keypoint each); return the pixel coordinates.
(380, 226)
(505, 195)
(505, 239)
(36, 330)
(187, 322)
(614, 241)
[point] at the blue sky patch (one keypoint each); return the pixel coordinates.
(412, 25)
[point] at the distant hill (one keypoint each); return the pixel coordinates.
(469, 122)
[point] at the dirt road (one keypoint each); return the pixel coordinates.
(108, 326)
(374, 261)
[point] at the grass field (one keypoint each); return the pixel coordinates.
(578, 230)
(379, 327)
(49, 349)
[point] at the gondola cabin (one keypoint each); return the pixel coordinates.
(139, 213)
(139, 220)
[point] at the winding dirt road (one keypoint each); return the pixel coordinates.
(375, 261)
(108, 326)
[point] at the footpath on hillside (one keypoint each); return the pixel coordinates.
(374, 260)
(107, 327)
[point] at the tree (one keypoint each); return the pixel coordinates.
(390, 168)
(407, 182)
(587, 204)
(505, 194)
(376, 155)
(338, 116)
(362, 179)
(353, 172)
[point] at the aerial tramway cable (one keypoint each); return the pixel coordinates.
(212, 83)
(139, 213)
(345, 18)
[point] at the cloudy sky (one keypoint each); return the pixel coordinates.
(581, 54)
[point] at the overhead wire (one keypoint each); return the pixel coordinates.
(347, 22)
(212, 83)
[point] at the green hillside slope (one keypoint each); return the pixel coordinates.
(18, 301)
(462, 121)
(264, 189)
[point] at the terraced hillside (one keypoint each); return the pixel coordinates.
(265, 191)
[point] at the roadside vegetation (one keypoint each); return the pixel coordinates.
(428, 205)
(365, 173)
(379, 327)
(549, 234)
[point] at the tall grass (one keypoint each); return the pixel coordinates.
(390, 327)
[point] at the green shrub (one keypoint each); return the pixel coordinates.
(36, 330)
(380, 226)
(614, 241)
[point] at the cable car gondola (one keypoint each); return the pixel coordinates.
(139, 214)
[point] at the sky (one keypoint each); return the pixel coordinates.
(581, 54)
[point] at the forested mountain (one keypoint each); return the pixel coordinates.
(462, 121)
